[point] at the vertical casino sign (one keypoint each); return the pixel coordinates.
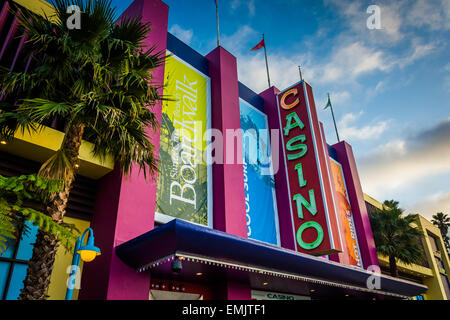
(312, 207)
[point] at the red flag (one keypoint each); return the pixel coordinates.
(259, 45)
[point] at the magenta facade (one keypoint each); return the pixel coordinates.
(124, 214)
(361, 216)
(125, 205)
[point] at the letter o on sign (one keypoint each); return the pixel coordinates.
(315, 243)
(285, 95)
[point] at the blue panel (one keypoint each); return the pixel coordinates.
(4, 269)
(251, 97)
(332, 152)
(10, 251)
(186, 53)
(260, 202)
(26, 244)
(16, 284)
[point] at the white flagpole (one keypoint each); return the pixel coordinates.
(267, 64)
(217, 19)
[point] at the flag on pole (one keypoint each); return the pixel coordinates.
(332, 114)
(328, 103)
(261, 44)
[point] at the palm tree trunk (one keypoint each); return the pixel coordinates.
(393, 266)
(41, 263)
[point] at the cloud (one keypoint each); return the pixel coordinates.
(182, 34)
(238, 42)
(252, 66)
(403, 161)
(447, 83)
(349, 131)
(349, 62)
(398, 18)
(345, 65)
(433, 14)
(438, 202)
(447, 67)
(355, 16)
(283, 70)
(235, 4)
(419, 51)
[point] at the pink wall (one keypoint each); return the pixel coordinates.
(360, 214)
(125, 206)
(228, 179)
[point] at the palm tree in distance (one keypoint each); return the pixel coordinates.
(395, 237)
(98, 81)
(442, 221)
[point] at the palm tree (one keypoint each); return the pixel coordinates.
(395, 237)
(442, 221)
(98, 81)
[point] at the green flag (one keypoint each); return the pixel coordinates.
(328, 103)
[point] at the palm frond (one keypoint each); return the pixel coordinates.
(395, 235)
(17, 197)
(57, 167)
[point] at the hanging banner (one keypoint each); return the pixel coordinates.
(259, 185)
(313, 212)
(345, 211)
(182, 190)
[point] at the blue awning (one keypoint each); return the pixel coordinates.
(197, 244)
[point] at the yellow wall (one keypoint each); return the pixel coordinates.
(58, 279)
(41, 7)
(436, 289)
(413, 269)
(373, 202)
(40, 146)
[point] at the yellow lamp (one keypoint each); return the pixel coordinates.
(86, 253)
(89, 251)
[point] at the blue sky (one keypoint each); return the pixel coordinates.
(390, 88)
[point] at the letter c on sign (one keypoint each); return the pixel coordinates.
(285, 106)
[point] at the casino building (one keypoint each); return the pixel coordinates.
(282, 215)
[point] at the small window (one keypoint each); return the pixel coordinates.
(14, 264)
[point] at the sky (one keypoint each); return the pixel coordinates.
(390, 87)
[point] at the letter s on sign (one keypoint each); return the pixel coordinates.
(285, 106)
